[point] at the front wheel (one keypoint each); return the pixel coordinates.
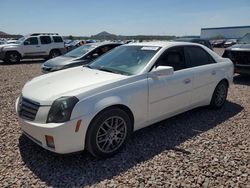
(219, 95)
(108, 132)
(12, 57)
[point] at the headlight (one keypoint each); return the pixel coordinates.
(61, 109)
(59, 67)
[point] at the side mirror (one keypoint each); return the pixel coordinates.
(95, 55)
(163, 71)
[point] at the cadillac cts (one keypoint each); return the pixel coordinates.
(97, 107)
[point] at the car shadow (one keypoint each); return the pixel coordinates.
(242, 80)
(29, 61)
(81, 169)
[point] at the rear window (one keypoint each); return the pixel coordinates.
(198, 56)
(57, 39)
(45, 39)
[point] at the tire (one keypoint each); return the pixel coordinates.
(108, 133)
(220, 95)
(12, 57)
(54, 53)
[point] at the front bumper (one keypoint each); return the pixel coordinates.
(242, 69)
(66, 139)
(46, 69)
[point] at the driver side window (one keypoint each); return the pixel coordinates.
(173, 57)
(98, 52)
(31, 41)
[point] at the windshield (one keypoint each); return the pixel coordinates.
(74, 42)
(245, 39)
(80, 51)
(19, 41)
(128, 60)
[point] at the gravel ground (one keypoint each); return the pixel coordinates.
(199, 148)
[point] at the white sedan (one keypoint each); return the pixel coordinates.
(98, 106)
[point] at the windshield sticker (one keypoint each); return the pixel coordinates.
(153, 48)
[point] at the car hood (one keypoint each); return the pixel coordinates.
(70, 82)
(60, 61)
(8, 45)
(240, 47)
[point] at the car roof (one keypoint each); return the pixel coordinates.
(190, 39)
(162, 44)
(97, 44)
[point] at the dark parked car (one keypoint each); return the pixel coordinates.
(218, 43)
(240, 55)
(79, 56)
(204, 42)
(229, 42)
(71, 45)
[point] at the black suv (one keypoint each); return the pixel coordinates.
(240, 55)
(204, 42)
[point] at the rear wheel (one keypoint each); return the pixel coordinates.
(108, 132)
(219, 95)
(12, 57)
(54, 53)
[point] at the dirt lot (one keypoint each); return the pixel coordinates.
(200, 148)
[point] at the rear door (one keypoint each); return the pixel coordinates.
(205, 71)
(46, 45)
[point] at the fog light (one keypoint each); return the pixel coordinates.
(50, 141)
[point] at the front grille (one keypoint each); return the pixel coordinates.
(28, 109)
(239, 57)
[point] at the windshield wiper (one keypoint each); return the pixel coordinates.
(101, 68)
(106, 69)
(110, 70)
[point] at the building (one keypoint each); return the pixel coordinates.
(225, 32)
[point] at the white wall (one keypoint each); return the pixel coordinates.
(229, 33)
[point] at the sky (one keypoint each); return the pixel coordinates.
(121, 17)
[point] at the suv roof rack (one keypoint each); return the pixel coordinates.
(36, 34)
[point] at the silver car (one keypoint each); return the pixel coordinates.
(80, 56)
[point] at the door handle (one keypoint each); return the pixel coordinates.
(214, 72)
(37, 46)
(187, 81)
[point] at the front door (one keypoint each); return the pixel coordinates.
(31, 47)
(170, 94)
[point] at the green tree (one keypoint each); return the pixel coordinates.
(71, 37)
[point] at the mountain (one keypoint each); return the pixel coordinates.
(3, 33)
(6, 35)
(108, 36)
(104, 36)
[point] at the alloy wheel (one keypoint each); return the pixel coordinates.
(111, 134)
(220, 95)
(13, 58)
